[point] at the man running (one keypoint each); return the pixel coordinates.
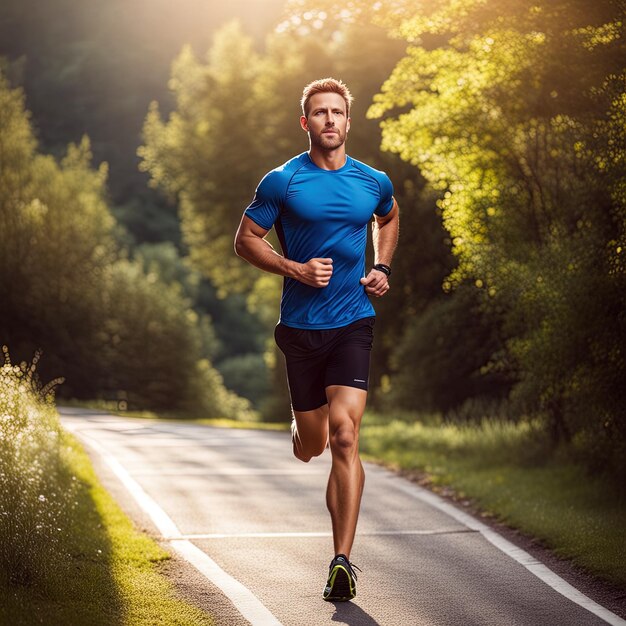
(320, 203)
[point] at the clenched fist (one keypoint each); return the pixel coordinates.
(376, 283)
(316, 272)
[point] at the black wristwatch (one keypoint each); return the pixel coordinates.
(381, 267)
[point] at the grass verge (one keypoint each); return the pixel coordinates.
(507, 473)
(68, 554)
(108, 572)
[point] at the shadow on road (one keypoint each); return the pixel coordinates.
(352, 614)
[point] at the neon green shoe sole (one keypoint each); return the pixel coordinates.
(341, 585)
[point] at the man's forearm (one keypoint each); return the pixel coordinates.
(315, 272)
(261, 254)
(385, 239)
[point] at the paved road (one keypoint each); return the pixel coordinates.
(239, 497)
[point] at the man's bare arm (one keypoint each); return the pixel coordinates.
(385, 231)
(251, 245)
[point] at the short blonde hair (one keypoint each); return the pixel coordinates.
(326, 85)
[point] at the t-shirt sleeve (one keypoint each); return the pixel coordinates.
(267, 202)
(386, 196)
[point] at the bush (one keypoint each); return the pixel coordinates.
(36, 490)
(247, 375)
(444, 357)
(209, 397)
(109, 324)
(151, 347)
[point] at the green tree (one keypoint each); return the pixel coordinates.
(445, 359)
(103, 322)
(363, 54)
(515, 112)
(151, 346)
(206, 155)
(92, 67)
(244, 374)
(56, 238)
(232, 338)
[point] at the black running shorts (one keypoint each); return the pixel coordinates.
(319, 358)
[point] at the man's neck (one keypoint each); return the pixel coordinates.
(328, 159)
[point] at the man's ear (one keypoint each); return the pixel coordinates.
(304, 123)
(348, 125)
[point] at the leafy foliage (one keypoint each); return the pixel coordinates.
(56, 238)
(363, 54)
(230, 126)
(445, 358)
(205, 155)
(515, 111)
(105, 322)
(244, 375)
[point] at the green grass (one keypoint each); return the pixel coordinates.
(108, 571)
(68, 555)
(507, 472)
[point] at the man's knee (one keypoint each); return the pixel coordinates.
(306, 453)
(344, 438)
(306, 450)
(301, 456)
(346, 406)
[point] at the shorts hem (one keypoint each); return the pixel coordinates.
(306, 410)
(344, 384)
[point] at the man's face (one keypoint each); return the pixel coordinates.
(327, 122)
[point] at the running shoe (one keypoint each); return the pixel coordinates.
(294, 429)
(341, 585)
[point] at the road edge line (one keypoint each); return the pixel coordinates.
(533, 565)
(250, 607)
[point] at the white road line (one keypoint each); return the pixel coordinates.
(244, 600)
(534, 566)
(305, 535)
(167, 441)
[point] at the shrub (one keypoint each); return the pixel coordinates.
(247, 375)
(36, 490)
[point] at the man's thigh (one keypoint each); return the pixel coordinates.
(313, 429)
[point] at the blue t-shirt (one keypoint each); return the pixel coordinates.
(321, 213)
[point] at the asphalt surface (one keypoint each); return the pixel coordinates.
(260, 515)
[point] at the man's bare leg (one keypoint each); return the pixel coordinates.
(309, 433)
(347, 477)
(339, 421)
